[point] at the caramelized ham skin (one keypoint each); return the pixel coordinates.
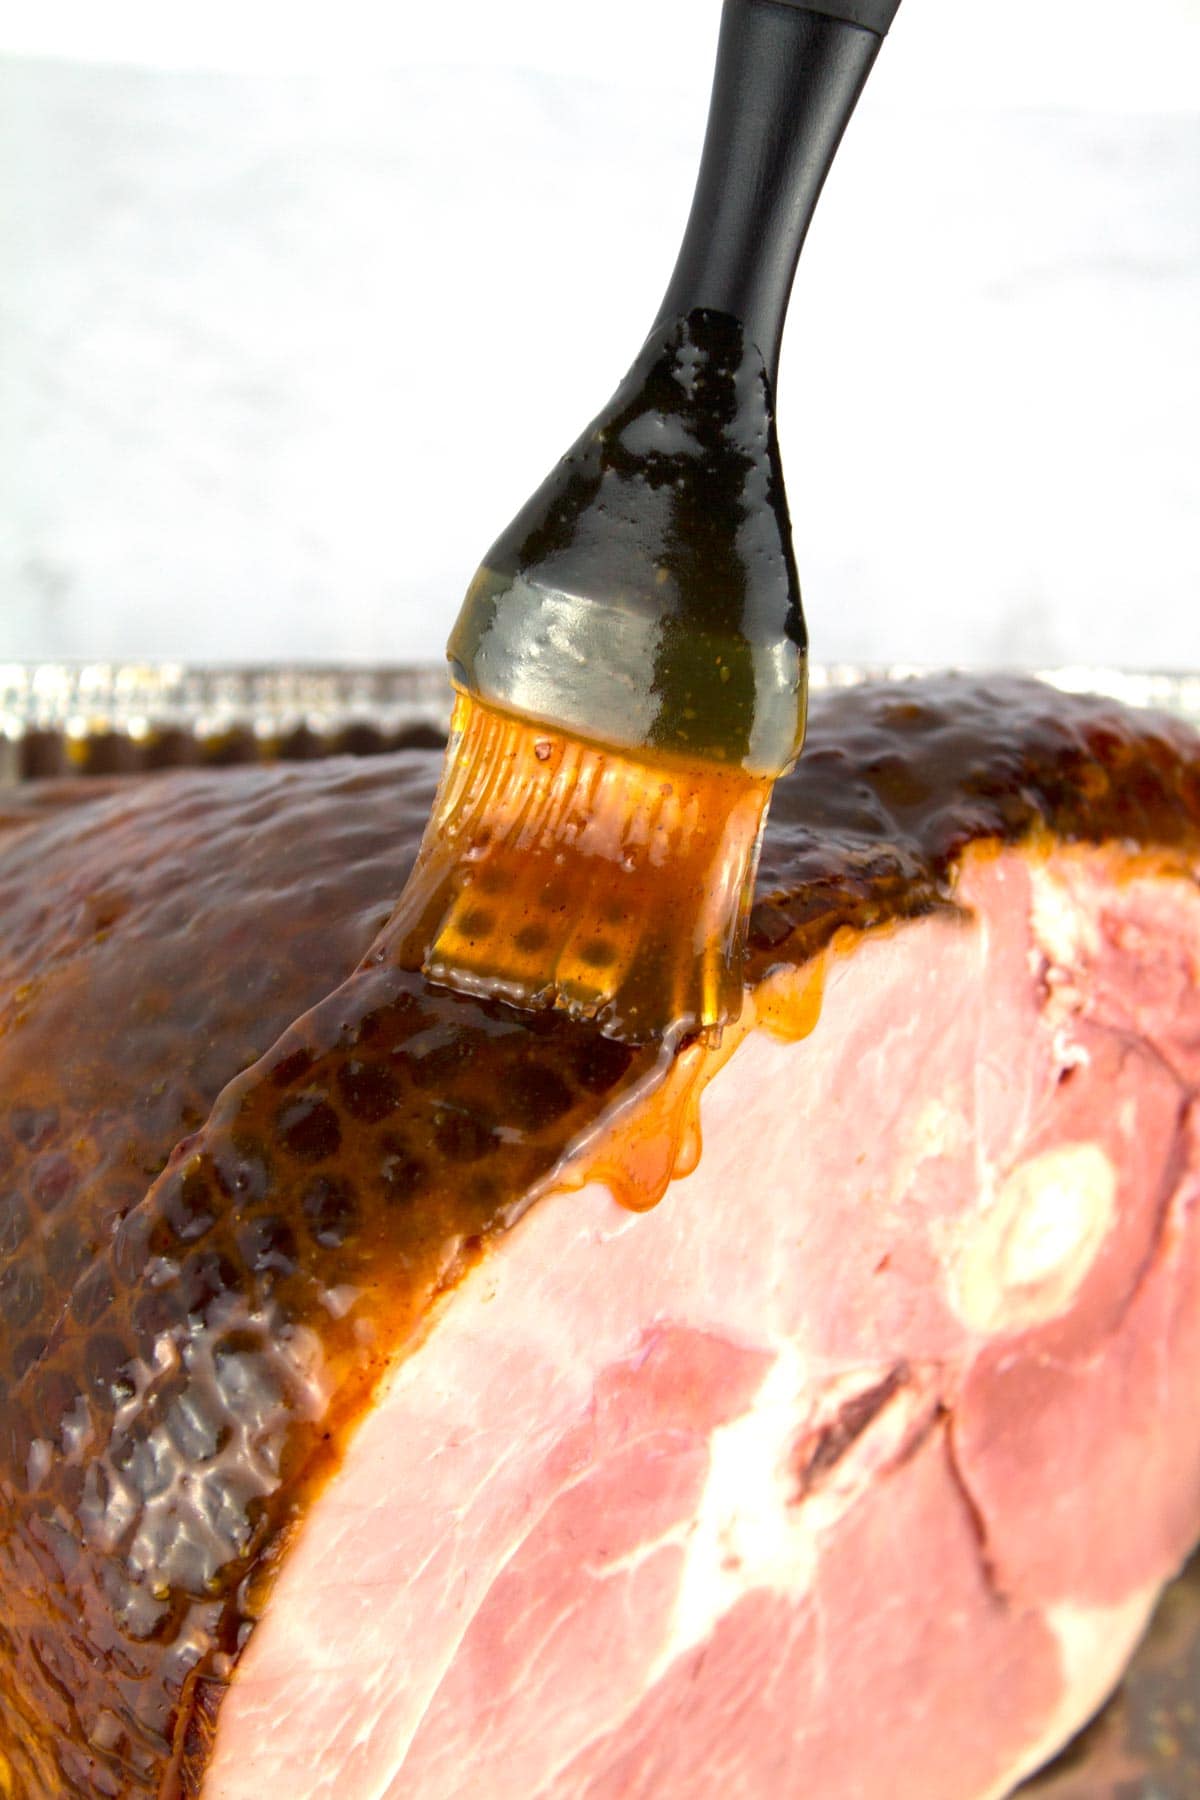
(222, 1232)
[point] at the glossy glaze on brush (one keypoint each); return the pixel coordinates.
(554, 874)
(646, 597)
(178, 1370)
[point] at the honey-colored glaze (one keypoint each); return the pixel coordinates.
(651, 1139)
(555, 874)
(218, 1227)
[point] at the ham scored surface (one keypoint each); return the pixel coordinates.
(356, 1441)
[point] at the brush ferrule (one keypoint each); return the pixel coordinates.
(557, 873)
(646, 597)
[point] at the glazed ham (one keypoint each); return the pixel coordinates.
(425, 1399)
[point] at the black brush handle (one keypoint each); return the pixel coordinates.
(787, 80)
(646, 596)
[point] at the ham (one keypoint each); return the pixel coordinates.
(404, 1396)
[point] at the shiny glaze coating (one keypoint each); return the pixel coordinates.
(554, 874)
(118, 904)
(181, 1352)
(896, 780)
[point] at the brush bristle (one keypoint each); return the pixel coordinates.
(558, 873)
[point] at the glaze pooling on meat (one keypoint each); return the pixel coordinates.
(179, 1365)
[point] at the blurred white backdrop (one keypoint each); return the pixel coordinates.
(294, 314)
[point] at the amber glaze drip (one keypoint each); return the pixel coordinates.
(651, 1135)
(207, 1261)
(558, 874)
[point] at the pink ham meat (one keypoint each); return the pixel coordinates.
(855, 1465)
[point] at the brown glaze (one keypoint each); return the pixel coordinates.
(553, 874)
(182, 1352)
(896, 780)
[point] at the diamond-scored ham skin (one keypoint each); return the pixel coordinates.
(356, 1440)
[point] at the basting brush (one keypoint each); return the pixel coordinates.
(630, 660)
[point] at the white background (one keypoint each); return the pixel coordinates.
(294, 313)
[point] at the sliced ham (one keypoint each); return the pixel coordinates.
(422, 1400)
